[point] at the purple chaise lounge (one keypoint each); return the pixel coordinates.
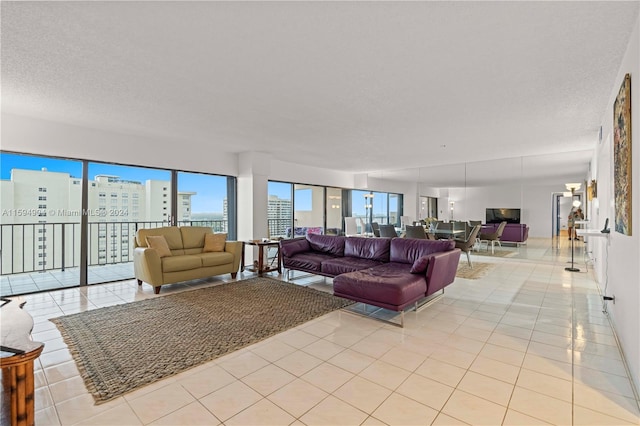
(391, 273)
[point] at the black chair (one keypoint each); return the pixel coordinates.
(375, 228)
(468, 244)
(388, 231)
(416, 231)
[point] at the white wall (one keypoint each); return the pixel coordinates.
(621, 265)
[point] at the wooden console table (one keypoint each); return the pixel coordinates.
(260, 267)
(18, 352)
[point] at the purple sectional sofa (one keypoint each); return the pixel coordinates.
(391, 273)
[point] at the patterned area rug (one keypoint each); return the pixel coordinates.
(479, 270)
(498, 252)
(121, 348)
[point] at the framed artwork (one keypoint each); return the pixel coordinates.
(622, 157)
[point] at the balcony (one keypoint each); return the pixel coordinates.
(45, 256)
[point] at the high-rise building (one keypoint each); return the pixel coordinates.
(279, 215)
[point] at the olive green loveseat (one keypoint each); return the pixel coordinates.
(187, 260)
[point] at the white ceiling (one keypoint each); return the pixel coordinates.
(394, 89)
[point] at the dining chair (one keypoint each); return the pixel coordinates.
(493, 237)
(350, 226)
(416, 231)
(375, 228)
(447, 229)
(388, 231)
(468, 244)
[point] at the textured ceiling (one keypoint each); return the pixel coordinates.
(397, 89)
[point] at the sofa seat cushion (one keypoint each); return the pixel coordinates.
(382, 284)
(307, 261)
(181, 263)
(215, 258)
(341, 265)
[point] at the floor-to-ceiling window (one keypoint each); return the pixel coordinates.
(121, 200)
(308, 212)
(40, 223)
(204, 200)
(334, 217)
(280, 211)
(44, 211)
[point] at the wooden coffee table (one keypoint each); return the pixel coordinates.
(262, 266)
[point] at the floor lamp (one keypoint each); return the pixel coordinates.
(573, 187)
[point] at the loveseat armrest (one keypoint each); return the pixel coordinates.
(441, 270)
(147, 265)
(235, 248)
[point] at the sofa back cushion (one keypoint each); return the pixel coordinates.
(289, 248)
(193, 236)
(408, 250)
(171, 234)
(331, 244)
(367, 248)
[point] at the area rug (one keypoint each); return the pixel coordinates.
(479, 270)
(121, 348)
(498, 252)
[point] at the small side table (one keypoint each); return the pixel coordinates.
(17, 361)
(261, 268)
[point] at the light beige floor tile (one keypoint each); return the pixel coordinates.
(441, 371)
(473, 410)
(67, 389)
(297, 338)
(161, 402)
(298, 363)
(506, 355)
(230, 400)
(511, 330)
(455, 357)
(61, 372)
(496, 369)
(268, 379)
(514, 418)
(599, 363)
(444, 420)
(426, 391)
(327, 377)
(603, 381)
(82, 407)
(205, 381)
(545, 384)
(332, 411)
(552, 339)
(193, 414)
(297, 397)
(43, 398)
(273, 350)
(385, 374)
(371, 347)
(549, 351)
(473, 333)
(464, 344)
(345, 337)
(400, 410)
(323, 349)
(50, 359)
(319, 328)
(486, 387)
(510, 342)
(352, 361)
(47, 416)
(372, 421)
(541, 406)
(362, 394)
(244, 364)
(550, 367)
(121, 414)
(585, 416)
(263, 413)
(607, 403)
(403, 358)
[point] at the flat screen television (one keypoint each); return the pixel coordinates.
(500, 215)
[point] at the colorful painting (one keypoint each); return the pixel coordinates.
(622, 157)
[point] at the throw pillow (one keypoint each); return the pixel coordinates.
(159, 244)
(420, 265)
(214, 242)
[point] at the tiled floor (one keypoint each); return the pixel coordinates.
(526, 344)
